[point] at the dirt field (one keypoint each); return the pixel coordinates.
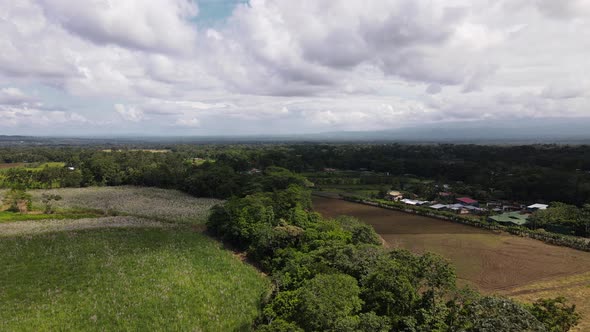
(492, 262)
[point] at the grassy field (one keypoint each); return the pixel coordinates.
(576, 288)
(143, 266)
(492, 262)
(125, 279)
(160, 204)
(6, 216)
(141, 150)
(357, 190)
(31, 166)
(35, 227)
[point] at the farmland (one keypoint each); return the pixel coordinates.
(139, 264)
(491, 262)
(10, 165)
(160, 204)
(32, 166)
(140, 150)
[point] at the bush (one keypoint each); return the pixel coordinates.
(555, 314)
(329, 303)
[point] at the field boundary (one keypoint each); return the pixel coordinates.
(34, 227)
(549, 238)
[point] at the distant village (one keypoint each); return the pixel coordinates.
(506, 213)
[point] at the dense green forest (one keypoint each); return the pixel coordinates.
(526, 173)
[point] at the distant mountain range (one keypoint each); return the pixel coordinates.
(524, 131)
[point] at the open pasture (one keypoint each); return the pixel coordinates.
(159, 204)
(137, 267)
(35, 167)
(125, 278)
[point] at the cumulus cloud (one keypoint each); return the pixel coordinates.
(24, 117)
(564, 9)
(565, 90)
(191, 122)
(14, 96)
(291, 66)
(156, 25)
(129, 113)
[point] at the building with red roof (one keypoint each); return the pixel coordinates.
(467, 201)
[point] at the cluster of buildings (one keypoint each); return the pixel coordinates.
(500, 213)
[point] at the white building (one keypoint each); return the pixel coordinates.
(538, 206)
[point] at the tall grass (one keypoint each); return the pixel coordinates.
(6, 216)
(146, 279)
(159, 204)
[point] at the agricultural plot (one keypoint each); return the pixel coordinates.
(31, 167)
(140, 150)
(35, 227)
(125, 279)
(159, 204)
(489, 261)
(575, 288)
(143, 266)
(10, 165)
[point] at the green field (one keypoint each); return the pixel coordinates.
(357, 190)
(124, 279)
(6, 216)
(32, 166)
(126, 272)
(158, 204)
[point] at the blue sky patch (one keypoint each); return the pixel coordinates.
(214, 11)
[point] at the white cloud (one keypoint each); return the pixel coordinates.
(129, 113)
(155, 25)
(13, 96)
(190, 122)
(24, 117)
(292, 66)
(564, 9)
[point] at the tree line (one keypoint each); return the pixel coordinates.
(525, 173)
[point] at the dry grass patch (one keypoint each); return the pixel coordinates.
(31, 227)
(153, 203)
(575, 288)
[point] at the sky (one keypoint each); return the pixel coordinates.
(237, 67)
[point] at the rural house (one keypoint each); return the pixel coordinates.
(395, 195)
(510, 219)
(467, 201)
(537, 206)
